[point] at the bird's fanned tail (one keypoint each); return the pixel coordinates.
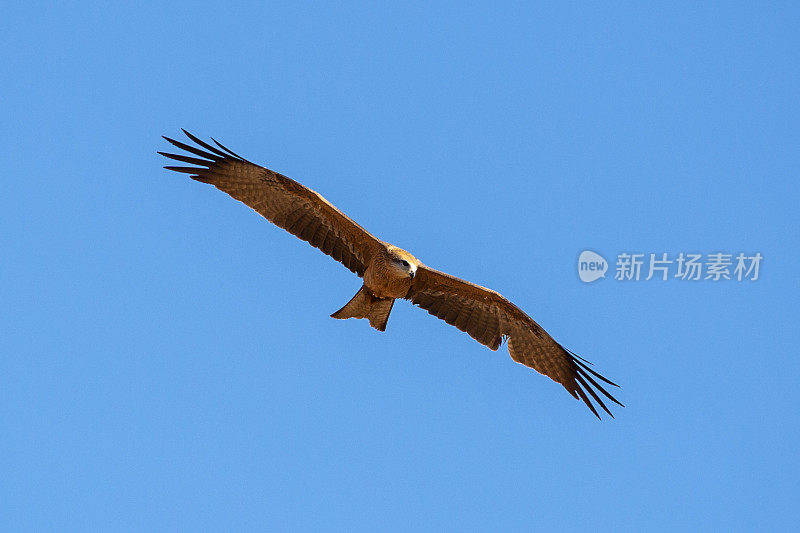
(365, 305)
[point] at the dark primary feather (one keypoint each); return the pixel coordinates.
(281, 200)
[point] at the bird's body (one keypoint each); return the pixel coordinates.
(389, 273)
(388, 276)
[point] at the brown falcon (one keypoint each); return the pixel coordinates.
(389, 272)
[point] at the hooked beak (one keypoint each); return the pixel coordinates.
(412, 274)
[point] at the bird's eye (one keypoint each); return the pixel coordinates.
(405, 263)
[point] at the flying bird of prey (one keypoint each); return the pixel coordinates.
(389, 272)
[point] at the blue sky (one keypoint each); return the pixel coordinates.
(166, 356)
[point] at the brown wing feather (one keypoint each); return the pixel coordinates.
(489, 318)
(281, 200)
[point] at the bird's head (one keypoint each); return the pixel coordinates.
(403, 262)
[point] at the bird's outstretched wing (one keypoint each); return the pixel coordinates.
(281, 200)
(490, 319)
